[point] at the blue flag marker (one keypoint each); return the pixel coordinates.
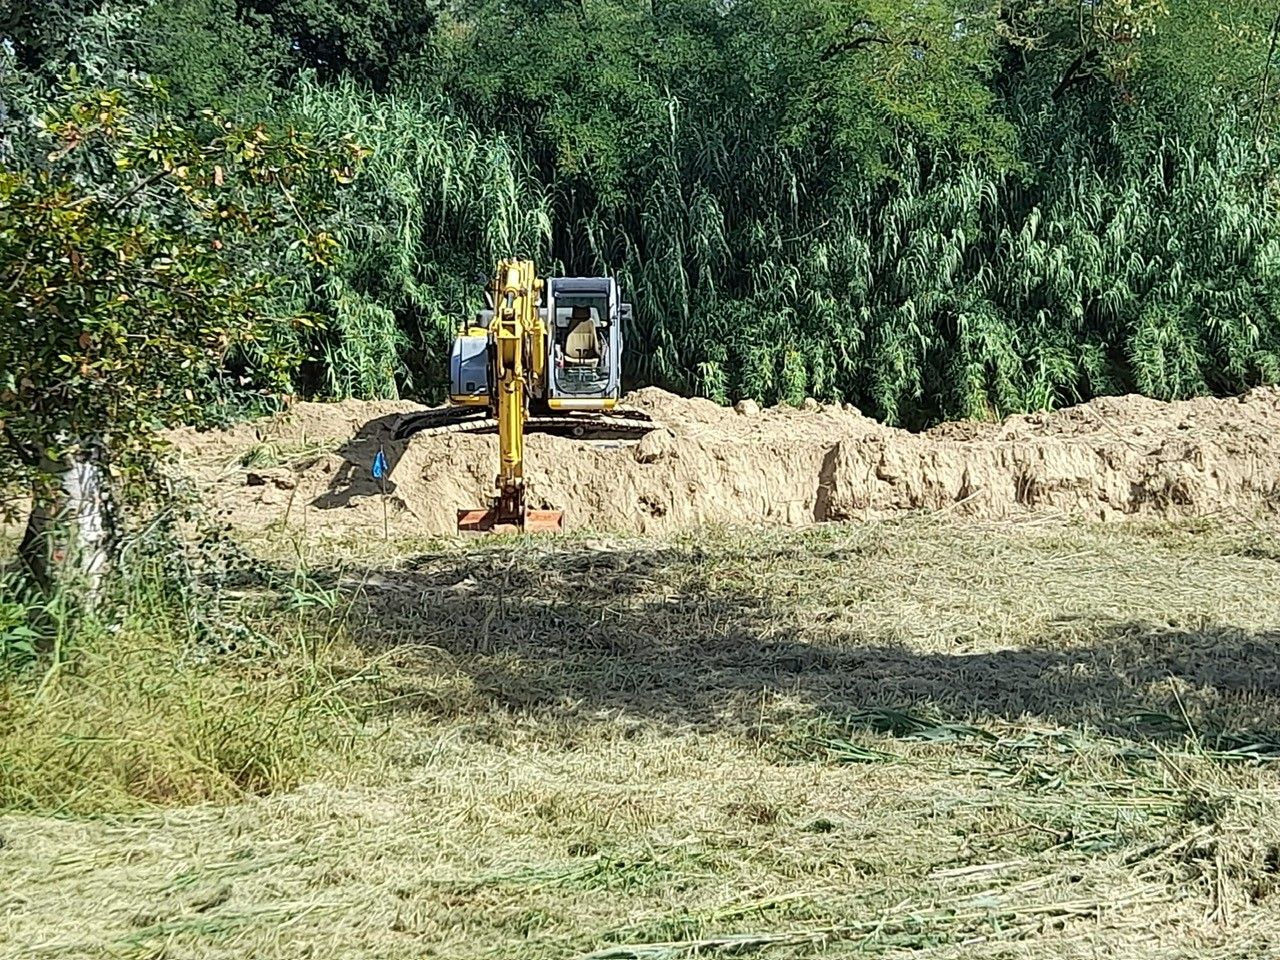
(380, 473)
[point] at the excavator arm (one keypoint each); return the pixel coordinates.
(517, 344)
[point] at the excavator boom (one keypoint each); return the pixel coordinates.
(517, 361)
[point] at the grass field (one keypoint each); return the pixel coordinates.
(902, 739)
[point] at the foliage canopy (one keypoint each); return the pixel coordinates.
(928, 209)
(133, 287)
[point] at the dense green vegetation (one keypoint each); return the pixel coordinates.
(928, 209)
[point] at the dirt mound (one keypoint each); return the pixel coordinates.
(1112, 458)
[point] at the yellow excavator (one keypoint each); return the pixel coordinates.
(545, 355)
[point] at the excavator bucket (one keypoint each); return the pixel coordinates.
(488, 521)
(507, 513)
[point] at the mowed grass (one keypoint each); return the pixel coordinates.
(903, 739)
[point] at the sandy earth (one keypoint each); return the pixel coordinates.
(1109, 459)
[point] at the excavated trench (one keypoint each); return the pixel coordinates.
(1110, 459)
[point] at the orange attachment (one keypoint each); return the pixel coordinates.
(488, 521)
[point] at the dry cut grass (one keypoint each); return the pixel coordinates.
(906, 739)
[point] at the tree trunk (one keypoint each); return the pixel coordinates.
(67, 545)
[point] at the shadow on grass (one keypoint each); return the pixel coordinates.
(661, 633)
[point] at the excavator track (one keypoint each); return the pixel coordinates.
(611, 425)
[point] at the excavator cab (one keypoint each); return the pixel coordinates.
(585, 318)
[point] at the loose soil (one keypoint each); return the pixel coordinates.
(1113, 458)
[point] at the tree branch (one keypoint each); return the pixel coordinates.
(25, 454)
(1266, 76)
(853, 43)
(1074, 74)
(137, 189)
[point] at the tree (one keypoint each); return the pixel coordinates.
(209, 54)
(134, 290)
(42, 30)
(927, 208)
(363, 39)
